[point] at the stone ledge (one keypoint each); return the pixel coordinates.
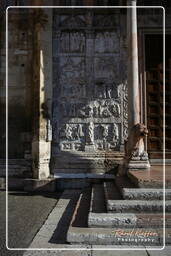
(84, 176)
(134, 206)
(145, 193)
(113, 236)
(112, 220)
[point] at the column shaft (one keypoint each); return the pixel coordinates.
(133, 81)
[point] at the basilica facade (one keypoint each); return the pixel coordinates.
(78, 79)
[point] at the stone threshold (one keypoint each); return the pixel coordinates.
(84, 176)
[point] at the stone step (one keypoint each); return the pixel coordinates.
(115, 236)
(145, 194)
(137, 206)
(98, 204)
(109, 220)
(128, 220)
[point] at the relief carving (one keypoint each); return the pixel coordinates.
(105, 20)
(115, 132)
(77, 42)
(88, 99)
(72, 21)
(64, 42)
(90, 133)
(106, 42)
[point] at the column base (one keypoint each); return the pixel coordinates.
(41, 159)
(138, 165)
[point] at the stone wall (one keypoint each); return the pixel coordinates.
(19, 86)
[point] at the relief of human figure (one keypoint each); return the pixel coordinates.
(105, 132)
(90, 133)
(115, 132)
(68, 132)
(115, 109)
(79, 131)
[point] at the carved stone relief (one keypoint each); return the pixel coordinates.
(75, 136)
(106, 42)
(90, 102)
(72, 42)
(95, 109)
(106, 68)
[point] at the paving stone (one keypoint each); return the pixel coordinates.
(165, 252)
(119, 252)
(70, 251)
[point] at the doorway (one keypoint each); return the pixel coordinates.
(154, 86)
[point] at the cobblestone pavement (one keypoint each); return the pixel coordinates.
(28, 212)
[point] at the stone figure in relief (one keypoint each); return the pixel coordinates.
(105, 131)
(115, 132)
(115, 109)
(90, 133)
(68, 132)
(79, 131)
(134, 146)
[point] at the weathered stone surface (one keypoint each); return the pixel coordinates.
(66, 250)
(145, 193)
(89, 92)
(54, 230)
(111, 220)
(165, 252)
(137, 206)
(107, 236)
(118, 251)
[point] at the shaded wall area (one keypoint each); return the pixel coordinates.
(19, 85)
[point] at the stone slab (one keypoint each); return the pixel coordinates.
(145, 193)
(134, 206)
(113, 236)
(83, 175)
(165, 252)
(54, 230)
(76, 250)
(118, 251)
(152, 178)
(112, 220)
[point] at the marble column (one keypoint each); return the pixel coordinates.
(42, 92)
(133, 81)
(136, 156)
